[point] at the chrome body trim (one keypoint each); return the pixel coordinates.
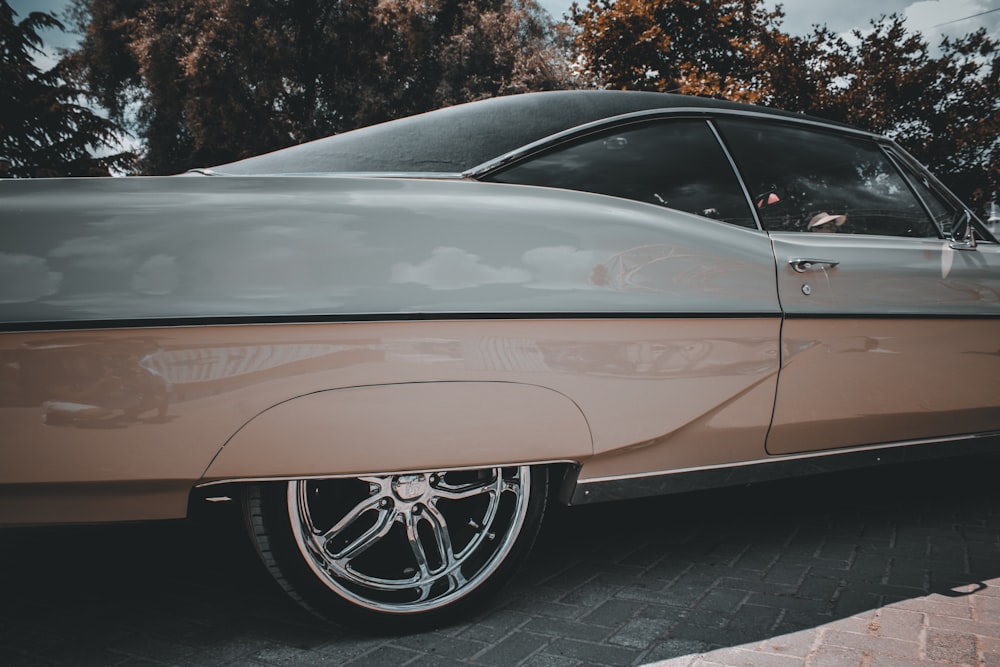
(602, 489)
(420, 471)
(419, 175)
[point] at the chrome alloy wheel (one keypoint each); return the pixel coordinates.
(406, 544)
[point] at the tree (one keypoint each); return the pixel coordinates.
(944, 107)
(695, 47)
(45, 129)
(209, 81)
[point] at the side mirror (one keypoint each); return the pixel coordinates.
(963, 233)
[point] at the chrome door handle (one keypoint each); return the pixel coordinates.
(801, 264)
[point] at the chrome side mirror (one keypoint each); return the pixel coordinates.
(963, 234)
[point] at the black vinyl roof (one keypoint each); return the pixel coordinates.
(458, 138)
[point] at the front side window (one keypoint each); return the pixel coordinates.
(804, 180)
(943, 212)
(674, 163)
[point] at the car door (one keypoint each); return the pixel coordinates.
(891, 333)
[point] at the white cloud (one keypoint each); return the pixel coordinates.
(158, 275)
(556, 267)
(934, 17)
(25, 278)
(453, 268)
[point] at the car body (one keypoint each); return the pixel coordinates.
(396, 345)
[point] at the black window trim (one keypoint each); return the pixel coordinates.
(888, 148)
(907, 164)
(483, 171)
(631, 121)
(892, 150)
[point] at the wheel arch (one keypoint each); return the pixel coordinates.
(405, 427)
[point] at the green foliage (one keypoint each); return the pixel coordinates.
(45, 129)
(210, 81)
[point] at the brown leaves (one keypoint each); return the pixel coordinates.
(943, 105)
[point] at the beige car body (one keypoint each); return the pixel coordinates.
(166, 337)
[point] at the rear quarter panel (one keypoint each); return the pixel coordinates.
(151, 321)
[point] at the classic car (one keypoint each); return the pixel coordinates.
(396, 346)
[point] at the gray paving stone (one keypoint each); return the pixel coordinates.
(543, 660)
(754, 620)
(722, 599)
(836, 656)
(663, 612)
(12, 658)
(797, 645)
(747, 658)
(591, 652)
(852, 601)
(954, 647)
(291, 656)
(757, 559)
(435, 661)
(559, 628)
(613, 613)
(639, 632)
(870, 643)
(820, 585)
(677, 651)
(898, 624)
(153, 648)
(386, 656)
(784, 574)
(938, 605)
(737, 575)
(513, 649)
(883, 660)
(590, 595)
(440, 645)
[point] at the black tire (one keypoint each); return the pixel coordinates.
(397, 553)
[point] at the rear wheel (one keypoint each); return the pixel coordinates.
(397, 552)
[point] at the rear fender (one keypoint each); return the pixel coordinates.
(401, 427)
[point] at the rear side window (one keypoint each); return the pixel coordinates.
(678, 164)
(803, 180)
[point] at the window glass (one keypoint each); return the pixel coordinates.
(942, 211)
(811, 181)
(677, 163)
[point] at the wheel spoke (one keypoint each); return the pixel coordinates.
(461, 491)
(449, 566)
(381, 527)
(442, 536)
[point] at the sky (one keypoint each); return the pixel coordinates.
(845, 15)
(932, 17)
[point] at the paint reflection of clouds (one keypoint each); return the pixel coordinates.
(95, 253)
(25, 278)
(559, 267)
(451, 268)
(158, 275)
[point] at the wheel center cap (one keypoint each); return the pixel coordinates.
(409, 487)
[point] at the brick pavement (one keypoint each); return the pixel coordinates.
(895, 566)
